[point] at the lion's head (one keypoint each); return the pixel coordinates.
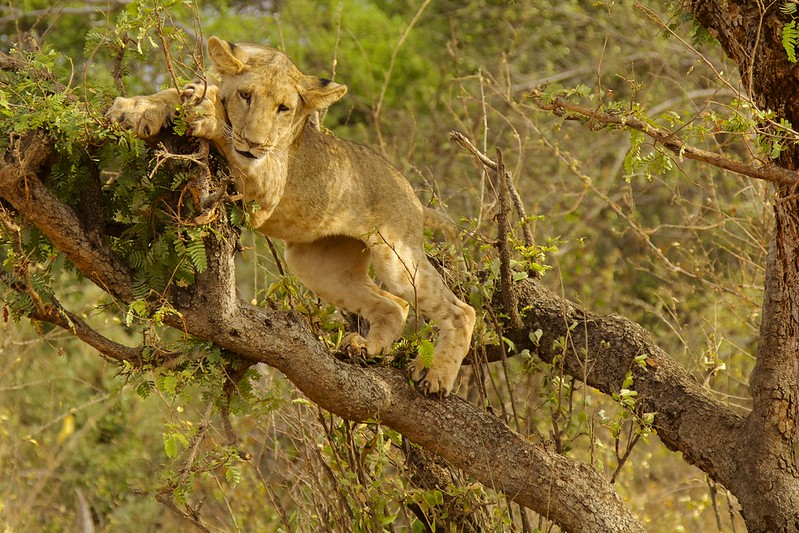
(267, 99)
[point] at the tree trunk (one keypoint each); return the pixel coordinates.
(767, 484)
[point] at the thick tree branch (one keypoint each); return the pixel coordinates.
(476, 441)
(600, 350)
(21, 187)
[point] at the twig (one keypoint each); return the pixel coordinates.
(506, 372)
(670, 141)
(276, 257)
(165, 45)
(53, 313)
(192, 516)
(230, 388)
(623, 459)
(16, 14)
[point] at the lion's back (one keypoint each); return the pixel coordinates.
(336, 186)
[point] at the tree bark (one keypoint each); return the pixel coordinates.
(767, 485)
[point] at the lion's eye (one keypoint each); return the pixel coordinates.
(245, 95)
(282, 108)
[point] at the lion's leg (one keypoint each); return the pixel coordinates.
(409, 274)
(337, 270)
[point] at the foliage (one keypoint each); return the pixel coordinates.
(790, 31)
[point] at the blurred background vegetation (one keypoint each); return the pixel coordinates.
(675, 246)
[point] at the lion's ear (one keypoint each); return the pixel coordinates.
(224, 56)
(319, 93)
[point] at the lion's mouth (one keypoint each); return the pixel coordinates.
(248, 155)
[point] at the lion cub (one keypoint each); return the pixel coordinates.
(338, 205)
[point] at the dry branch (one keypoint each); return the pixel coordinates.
(484, 160)
(667, 139)
(510, 302)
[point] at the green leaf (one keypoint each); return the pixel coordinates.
(433, 497)
(790, 39)
(233, 474)
(145, 388)
(174, 442)
(633, 160)
(425, 350)
(552, 91)
(197, 255)
(137, 308)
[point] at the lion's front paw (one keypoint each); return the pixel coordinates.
(435, 379)
(144, 115)
(201, 108)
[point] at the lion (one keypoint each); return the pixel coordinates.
(338, 206)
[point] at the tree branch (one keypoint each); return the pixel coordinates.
(508, 296)
(600, 350)
(55, 314)
(21, 187)
(469, 438)
(485, 161)
(670, 141)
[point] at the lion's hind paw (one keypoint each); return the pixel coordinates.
(435, 379)
(356, 349)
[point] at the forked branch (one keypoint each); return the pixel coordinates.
(487, 162)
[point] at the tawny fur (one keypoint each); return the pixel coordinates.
(338, 205)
